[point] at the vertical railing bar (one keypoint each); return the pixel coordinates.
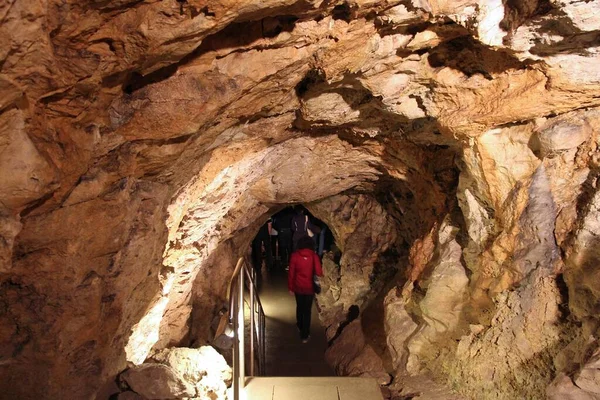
(252, 316)
(257, 327)
(236, 349)
(264, 346)
(260, 358)
(258, 349)
(242, 379)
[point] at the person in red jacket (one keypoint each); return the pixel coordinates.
(304, 263)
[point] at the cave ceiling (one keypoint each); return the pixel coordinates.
(142, 140)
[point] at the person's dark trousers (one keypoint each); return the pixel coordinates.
(257, 256)
(285, 245)
(274, 241)
(268, 254)
(303, 311)
(321, 241)
(257, 245)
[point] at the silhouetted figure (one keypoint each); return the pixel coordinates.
(304, 264)
(282, 222)
(262, 239)
(301, 223)
(319, 237)
(274, 238)
(321, 246)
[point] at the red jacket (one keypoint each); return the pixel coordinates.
(304, 263)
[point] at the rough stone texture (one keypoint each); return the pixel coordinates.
(130, 396)
(156, 381)
(421, 387)
(443, 303)
(181, 373)
(204, 368)
(563, 388)
(581, 271)
(399, 327)
(142, 144)
(364, 231)
(352, 356)
(588, 378)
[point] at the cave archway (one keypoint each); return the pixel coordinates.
(215, 216)
(142, 144)
(222, 214)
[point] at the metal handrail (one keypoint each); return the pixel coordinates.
(257, 339)
(236, 292)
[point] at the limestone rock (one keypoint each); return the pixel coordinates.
(421, 387)
(443, 304)
(582, 14)
(26, 175)
(399, 327)
(563, 134)
(203, 368)
(400, 15)
(363, 231)
(563, 388)
(518, 342)
(351, 356)
(129, 395)
(9, 228)
(181, 372)
(582, 256)
(156, 381)
(423, 40)
(143, 143)
(588, 378)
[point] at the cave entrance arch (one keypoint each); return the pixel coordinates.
(286, 355)
(215, 213)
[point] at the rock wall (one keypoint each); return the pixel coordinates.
(509, 328)
(451, 145)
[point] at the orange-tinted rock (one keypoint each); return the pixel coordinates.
(451, 145)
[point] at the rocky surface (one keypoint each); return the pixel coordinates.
(157, 381)
(452, 147)
(352, 356)
(180, 373)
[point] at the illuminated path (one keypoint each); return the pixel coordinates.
(298, 371)
(286, 355)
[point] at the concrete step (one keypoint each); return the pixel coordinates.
(318, 388)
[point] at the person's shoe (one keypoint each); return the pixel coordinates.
(287, 267)
(306, 340)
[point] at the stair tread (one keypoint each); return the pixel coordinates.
(312, 388)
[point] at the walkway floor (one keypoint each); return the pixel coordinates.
(332, 388)
(286, 355)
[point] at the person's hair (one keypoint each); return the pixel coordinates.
(306, 242)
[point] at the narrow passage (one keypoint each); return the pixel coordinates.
(286, 355)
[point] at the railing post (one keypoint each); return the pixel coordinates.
(257, 327)
(252, 324)
(240, 331)
(236, 348)
(263, 344)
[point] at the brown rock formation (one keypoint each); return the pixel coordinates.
(452, 147)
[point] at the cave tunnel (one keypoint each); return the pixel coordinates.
(271, 250)
(451, 148)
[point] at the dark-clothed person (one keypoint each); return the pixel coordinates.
(301, 223)
(304, 264)
(282, 222)
(262, 239)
